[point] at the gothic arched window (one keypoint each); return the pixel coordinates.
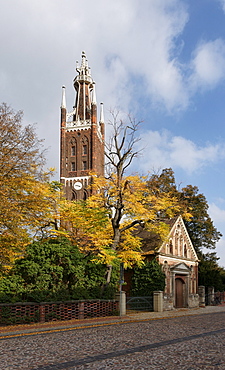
(185, 250)
(73, 147)
(73, 142)
(84, 149)
(171, 247)
(176, 243)
(85, 154)
(73, 150)
(73, 166)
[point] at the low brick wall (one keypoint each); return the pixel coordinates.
(19, 313)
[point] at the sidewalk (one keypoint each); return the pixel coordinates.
(54, 326)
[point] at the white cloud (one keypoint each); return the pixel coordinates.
(222, 4)
(122, 39)
(220, 247)
(162, 149)
(216, 213)
(133, 49)
(208, 64)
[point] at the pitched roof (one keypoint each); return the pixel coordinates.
(151, 241)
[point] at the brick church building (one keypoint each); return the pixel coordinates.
(179, 262)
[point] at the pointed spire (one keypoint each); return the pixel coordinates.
(101, 114)
(63, 104)
(84, 69)
(94, 101)
(85, 95)
(83, 61)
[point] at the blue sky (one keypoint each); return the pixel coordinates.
(161, 60)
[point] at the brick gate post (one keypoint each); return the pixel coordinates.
(201, 293)
(210, 295)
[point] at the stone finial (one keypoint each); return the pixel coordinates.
(94, 101)
(63, 103)
(101, 114)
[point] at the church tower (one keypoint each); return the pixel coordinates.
(82, 137)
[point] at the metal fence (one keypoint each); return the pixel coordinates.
(214, 299)
(140, 303)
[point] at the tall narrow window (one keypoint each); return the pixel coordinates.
(84, 165)
(73, 150)
(84, 149)
(176, 244)
(171, 247)
(73, 166)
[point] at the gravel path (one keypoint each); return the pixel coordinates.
(182, 343)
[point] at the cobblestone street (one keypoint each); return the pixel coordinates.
(184, 342)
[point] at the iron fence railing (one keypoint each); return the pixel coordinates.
(140, 303)
(214, 299)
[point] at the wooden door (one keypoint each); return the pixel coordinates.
(179, 293)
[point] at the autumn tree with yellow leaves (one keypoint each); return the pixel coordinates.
(27, 200)
(104, 225)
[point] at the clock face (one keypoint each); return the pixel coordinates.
(78, 185)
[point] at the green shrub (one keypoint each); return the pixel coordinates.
(147, 279)
(55, 270)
